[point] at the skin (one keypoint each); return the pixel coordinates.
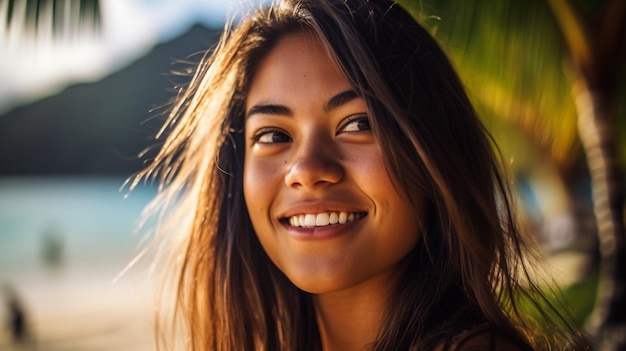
(309, 150)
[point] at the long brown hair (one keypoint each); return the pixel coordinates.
(466, 271)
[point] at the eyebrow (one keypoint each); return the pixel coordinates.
(270, 109)
(280, 110)
(340, 99)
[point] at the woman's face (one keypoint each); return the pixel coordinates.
(319, 196)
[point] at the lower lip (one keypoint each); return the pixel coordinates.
(320, 233)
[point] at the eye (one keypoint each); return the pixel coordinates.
(354, 124)
(270, 136)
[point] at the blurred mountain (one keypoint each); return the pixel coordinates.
(100, 128)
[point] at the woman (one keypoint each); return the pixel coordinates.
(331, 188)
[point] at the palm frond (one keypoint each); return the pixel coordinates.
(52, 19)
(510, 56)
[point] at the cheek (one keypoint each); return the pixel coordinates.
(395, 212)
(261, 182)
(253, 183)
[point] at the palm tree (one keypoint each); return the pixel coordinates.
(552, 69)
(596, 56)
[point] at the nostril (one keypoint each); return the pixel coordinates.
(314, 171)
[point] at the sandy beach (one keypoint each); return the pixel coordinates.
(83, 308)
(63, 241)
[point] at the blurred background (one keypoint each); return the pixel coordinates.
(83, 85)
(548, 79)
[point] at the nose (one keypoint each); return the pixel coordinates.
(317, 165)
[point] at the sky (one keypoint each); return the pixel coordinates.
(34, 68)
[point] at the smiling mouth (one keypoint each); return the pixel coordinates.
(312, 220)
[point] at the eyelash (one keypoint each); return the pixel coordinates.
(361, 117)
(256, 138)
(357, 118)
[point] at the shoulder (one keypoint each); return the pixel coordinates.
(482, 339)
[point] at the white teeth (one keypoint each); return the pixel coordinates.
(294, 221)
(334, 218)
(343, 217)
(323, 219)
(309, 220)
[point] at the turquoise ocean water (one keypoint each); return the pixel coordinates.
(63, 242)
(56, 222)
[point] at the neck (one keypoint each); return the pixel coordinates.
(350, 320)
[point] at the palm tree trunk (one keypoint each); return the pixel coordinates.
(597, 124)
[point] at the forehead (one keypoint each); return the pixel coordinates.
(297, 65)
(293, 48)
